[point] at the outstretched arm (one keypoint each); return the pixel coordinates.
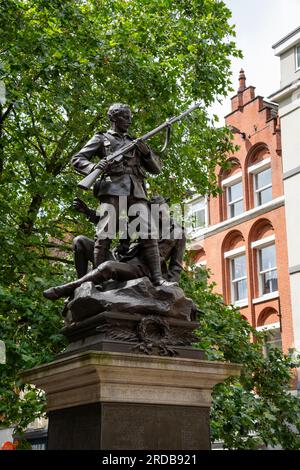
(80, 206)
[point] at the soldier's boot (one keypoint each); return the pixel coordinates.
(97, 275)
(152, 258)
(101, 252)
(64, 290)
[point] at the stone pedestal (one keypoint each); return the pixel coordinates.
(124, 401)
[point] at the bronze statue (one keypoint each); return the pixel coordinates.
(131, 265)
(124, 177)
(131, 296)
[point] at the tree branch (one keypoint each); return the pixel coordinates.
(41, 147)
(56, 246)
(6, 113)
(55, 258)
(55, 168)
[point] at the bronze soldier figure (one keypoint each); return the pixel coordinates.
(132, 265)
(124, 177)
(83, 247)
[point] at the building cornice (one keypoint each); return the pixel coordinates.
(287, 42)
(234, 221)
(285, 91)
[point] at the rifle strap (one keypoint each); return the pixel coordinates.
(167, 139)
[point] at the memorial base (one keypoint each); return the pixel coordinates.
(121, 401)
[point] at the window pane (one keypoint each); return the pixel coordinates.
(264, 178)
(267, 258)
(269, 282)
(265, 196)
(238, 267)
(298, 57)
(240, 290)
(235, 192)
(199, 218)
(236, 208)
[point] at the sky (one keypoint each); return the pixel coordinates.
(259, 25)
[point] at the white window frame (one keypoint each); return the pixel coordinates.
(226, 184)
(297, 47)
(271, 327)
(259, 190)
(194, 207)
(194, 212)
(263, 242)
(258, 245)
(230, 256)
(235, 252)
(254, 170)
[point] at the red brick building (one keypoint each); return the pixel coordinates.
(241, 235)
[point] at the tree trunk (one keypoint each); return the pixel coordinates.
(27, 225)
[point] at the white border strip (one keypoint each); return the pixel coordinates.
(241, 303)
(238, 219)
(236, 251)
(263, 241)
(264, 298)
(290, 42)
(271, 326)
(260, 165)
(232, 179)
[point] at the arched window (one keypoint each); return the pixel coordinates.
(268, 321)
(201, 268)
(233, 195)
(235, 269)
(259, 175)
(264, 259)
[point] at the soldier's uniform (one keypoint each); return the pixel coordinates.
(123, 178)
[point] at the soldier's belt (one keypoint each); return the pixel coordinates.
(124, 171)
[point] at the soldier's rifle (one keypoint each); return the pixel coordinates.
(89, 180)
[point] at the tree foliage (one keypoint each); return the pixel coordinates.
(63, 64)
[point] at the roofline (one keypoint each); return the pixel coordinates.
(239, 92)
(285, 38)
(248, 102)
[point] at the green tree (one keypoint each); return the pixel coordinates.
(63, 64)
(256, 408)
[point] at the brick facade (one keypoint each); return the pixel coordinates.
(256, 128)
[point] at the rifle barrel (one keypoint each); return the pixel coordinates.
(169, 122)
(88, 181)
